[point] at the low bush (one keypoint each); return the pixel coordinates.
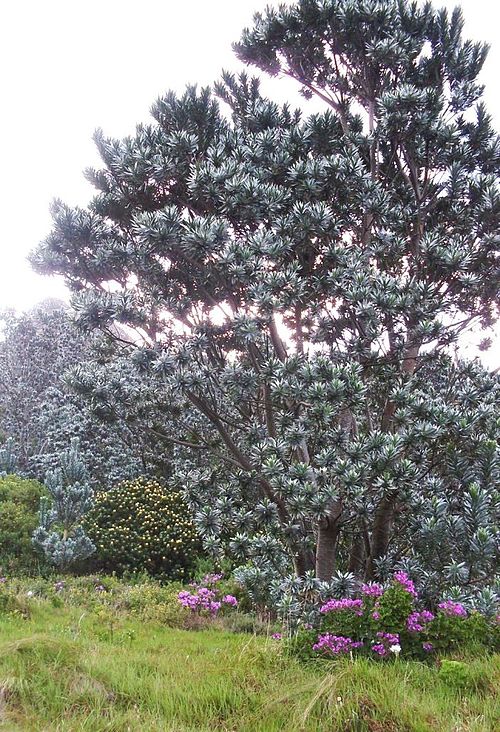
(142, 526)
(387, 622)
(19, 503)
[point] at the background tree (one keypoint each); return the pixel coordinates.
(293, 281)
(39, 413)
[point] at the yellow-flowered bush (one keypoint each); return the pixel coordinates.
(143, 526)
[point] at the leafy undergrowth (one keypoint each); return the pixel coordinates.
(66, 670)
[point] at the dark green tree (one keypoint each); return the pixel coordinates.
(294, 281)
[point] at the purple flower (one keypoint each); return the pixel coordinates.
(59, 586)
(428, 647)
(402, 579)
(376, 615)
(230, 600)
(344, 604)
(277, 636)
(100, 588)
(211, 578)
(203, 599)
(417, 620)
(453, 609)
(371, 590)
(335, 644)
(386, 643)
(2, 580)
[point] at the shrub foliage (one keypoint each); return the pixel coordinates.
(140, 526)
(19, 500)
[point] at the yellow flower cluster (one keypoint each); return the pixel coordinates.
(142, 525)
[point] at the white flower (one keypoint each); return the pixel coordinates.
(30, 593)
(396, 648)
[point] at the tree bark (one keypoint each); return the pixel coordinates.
(357, 556)
(326, 545)
(384, 514)
(303, 562)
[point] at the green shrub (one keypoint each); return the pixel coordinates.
(142, 526)
(461, 676)
(19, 503)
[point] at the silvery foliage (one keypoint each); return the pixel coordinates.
(8, 461)
(60, 534)
(39, 412)
(296, 285)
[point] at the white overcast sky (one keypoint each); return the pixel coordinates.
(69, 66)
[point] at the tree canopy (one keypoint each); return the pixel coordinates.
(292, 284)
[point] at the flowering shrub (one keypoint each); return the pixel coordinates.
(387, 622)
(206, 598)
(335, 644)
(141, 526)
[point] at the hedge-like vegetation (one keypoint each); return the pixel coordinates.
(19, 503)
(142, 526)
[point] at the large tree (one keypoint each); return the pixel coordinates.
(292, 282)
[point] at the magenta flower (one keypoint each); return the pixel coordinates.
(276, 636)
(417, 621)
(371, 590)
(211, 579)
(386, 642)
(428, 647)
(345, 604)
(202, 599)
(453, 609)
(335, 644)
(402, 579)
(230, 600)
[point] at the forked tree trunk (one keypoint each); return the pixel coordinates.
(381, 532)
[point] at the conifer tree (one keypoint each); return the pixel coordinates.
(296, 281)
(60, 534)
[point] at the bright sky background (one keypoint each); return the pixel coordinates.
(70, 66)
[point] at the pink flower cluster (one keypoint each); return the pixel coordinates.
(211, 579)
(202, 599)
(372, 590)
(428, 647)
(417, 620)
(385, 642)
(335, 644)
(453, 609)
(205, 598)
(345, 604)
(406, 583)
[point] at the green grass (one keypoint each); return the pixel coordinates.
(71, 670)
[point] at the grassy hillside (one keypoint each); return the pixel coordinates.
(70, 669)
